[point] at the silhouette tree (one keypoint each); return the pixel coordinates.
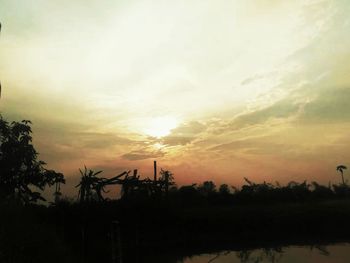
(224, 189)
(167, 177)
(207, 188)
(341, 168)
(20, 170)
(55, 179)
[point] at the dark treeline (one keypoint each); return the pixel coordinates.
(207, 193)
(257, 193)
(154, 220)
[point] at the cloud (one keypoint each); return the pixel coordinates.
(184, 134)
(315, 102)
(142, 155)
(251, 79)
(237, 144)
(102, 140)
(263, 145)
(330, 106)
(283, 109)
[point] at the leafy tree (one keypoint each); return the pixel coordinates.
(21, 173)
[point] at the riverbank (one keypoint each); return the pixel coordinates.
(71, 232)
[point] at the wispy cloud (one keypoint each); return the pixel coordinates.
(142, 154)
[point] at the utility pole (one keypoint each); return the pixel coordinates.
(155, 171)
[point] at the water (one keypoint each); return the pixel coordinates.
(338, 253)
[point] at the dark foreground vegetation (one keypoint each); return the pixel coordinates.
(154, 221)
(162, 231)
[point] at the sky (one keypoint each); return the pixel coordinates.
(212, 90)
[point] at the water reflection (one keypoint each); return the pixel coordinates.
(267, 254)
(338, 253)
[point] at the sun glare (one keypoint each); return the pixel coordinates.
(161, 126)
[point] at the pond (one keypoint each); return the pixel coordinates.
(337, 253)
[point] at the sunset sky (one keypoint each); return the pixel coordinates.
(212, 90)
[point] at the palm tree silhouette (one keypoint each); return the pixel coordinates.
(340, 169)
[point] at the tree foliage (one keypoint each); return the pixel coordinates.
(21, 173)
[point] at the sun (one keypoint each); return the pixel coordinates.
(160, 126)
